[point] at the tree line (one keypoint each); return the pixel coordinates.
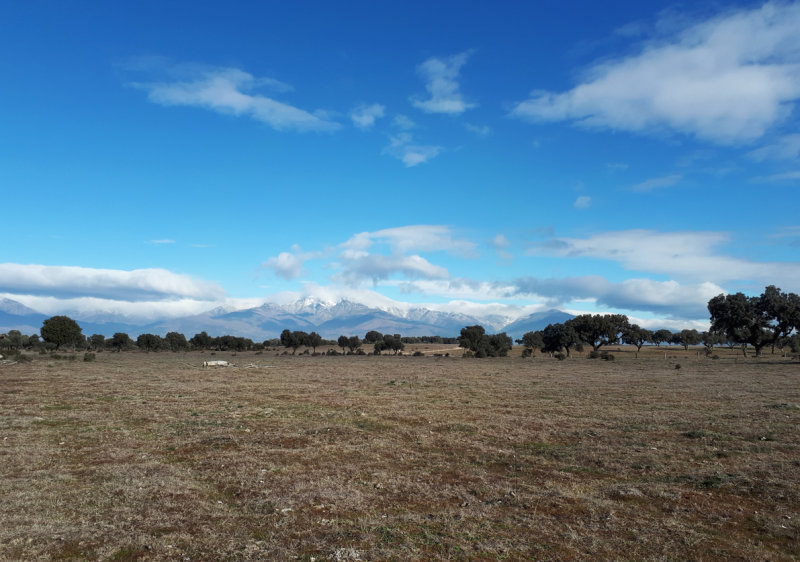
(771, 319)
(60, 332)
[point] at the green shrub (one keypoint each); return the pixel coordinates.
(560, 356)
(89, 356)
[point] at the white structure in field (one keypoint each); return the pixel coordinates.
(217, 364)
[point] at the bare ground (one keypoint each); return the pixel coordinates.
(151, 457)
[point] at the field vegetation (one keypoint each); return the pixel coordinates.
(671, 455)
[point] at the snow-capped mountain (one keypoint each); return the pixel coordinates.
(16, 316)
(328, 318)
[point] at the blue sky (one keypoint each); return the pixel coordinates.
(166, 158)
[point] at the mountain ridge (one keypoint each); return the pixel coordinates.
(328, 318)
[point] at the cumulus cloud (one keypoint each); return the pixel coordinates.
(441, 82)
(133, 285)
(727, 80)
(685, 256)
(656, 183)
(402, 147)
(364, 116)
(289, 265)
(363, 259)
(230, 91)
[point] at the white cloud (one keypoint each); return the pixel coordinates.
(228, 91)
(376, 267)
(500, 242)
(286, 265)
(482, 130)
(162, 241)
(656, 183)
(582, 202)
(402, 147)
(133, 285)
(616, 167)
(289, 265)
(685, 256)
(372, 257)
(687, 301)
(133, 311)
(458, 288)
(441, 77)
(785, 148)
(364, 116)
(414, 238)
(403, 123)
(781, 178)
(727, 80)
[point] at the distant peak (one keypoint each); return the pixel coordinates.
(14, 307)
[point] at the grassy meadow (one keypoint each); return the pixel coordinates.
(139, 456)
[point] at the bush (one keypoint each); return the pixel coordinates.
(606, 356)
(560, 356)
(18, 356)
(594, 354)
(526, 353)
(419, 354)
(89, 356)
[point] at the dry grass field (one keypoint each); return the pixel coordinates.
(141, 456)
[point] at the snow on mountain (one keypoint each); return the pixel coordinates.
(537, 321)
(17, 316)
(329, 318)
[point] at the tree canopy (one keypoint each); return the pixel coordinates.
(475, 339)
(599, 329)
(61, 330)
(757, 321)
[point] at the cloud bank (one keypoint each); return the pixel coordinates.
(133, 285)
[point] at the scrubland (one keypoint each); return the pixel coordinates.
(140, 456)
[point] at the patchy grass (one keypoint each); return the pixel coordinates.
(151, 457)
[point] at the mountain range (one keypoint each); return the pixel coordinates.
(329, 319)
